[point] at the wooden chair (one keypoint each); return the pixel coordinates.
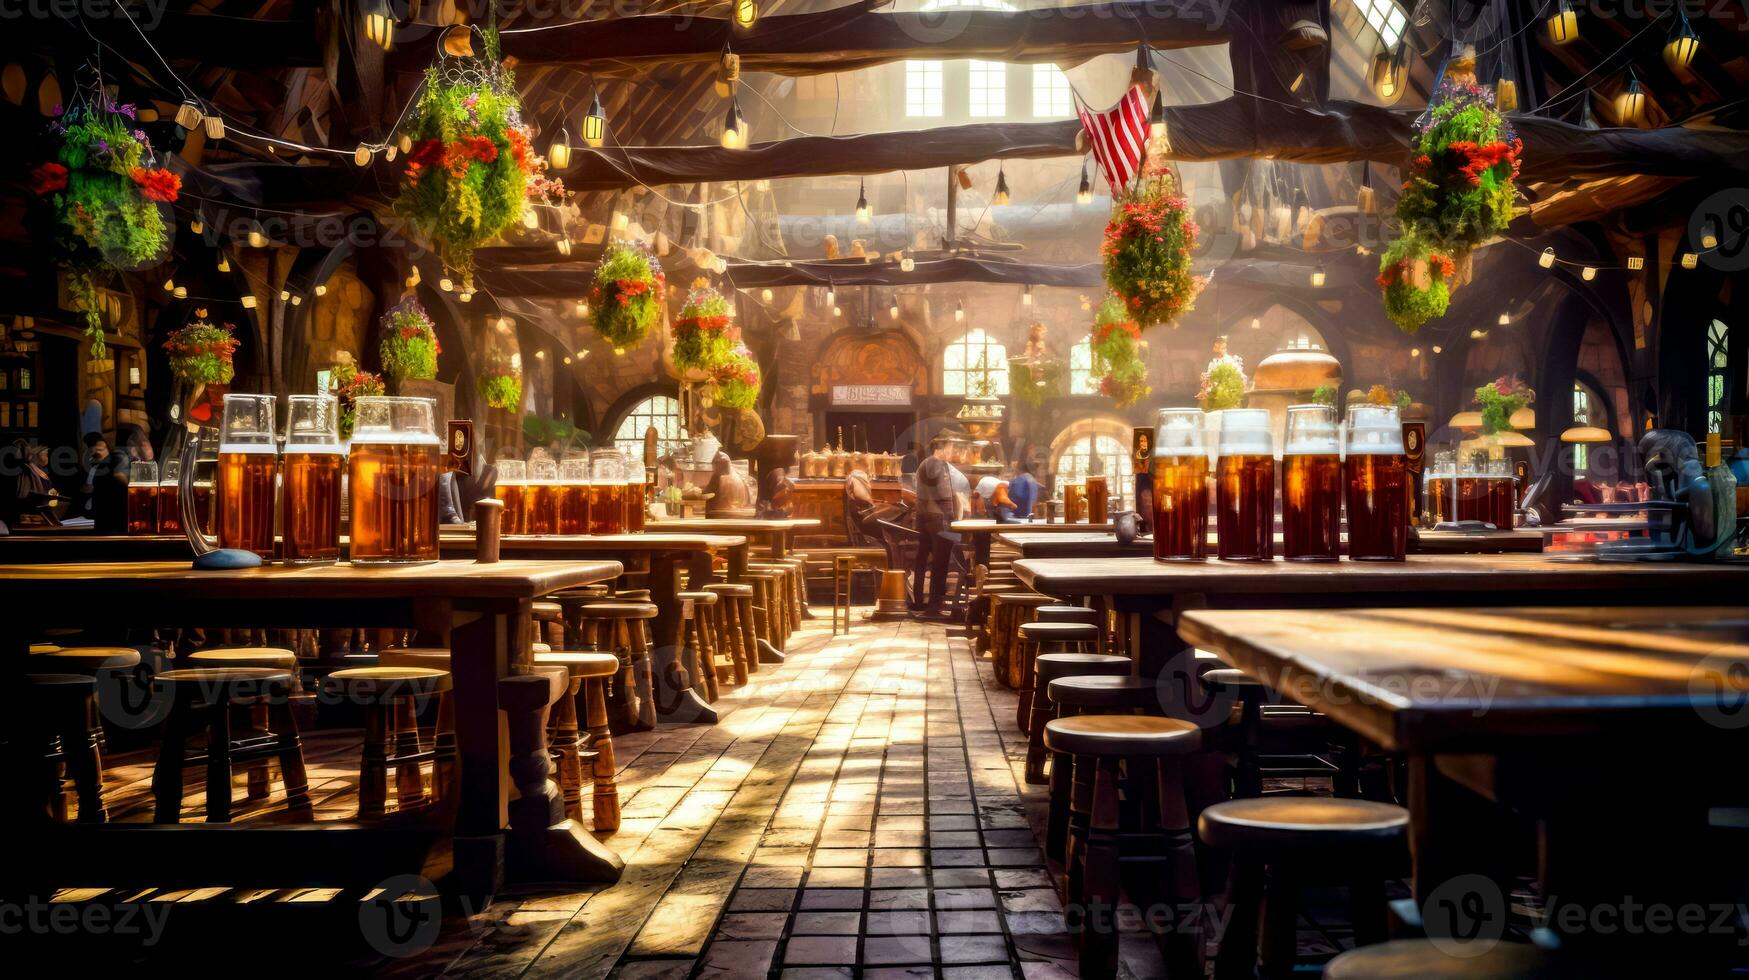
(379, 691)
(1279, 844)
(201, 698)
(844, 569)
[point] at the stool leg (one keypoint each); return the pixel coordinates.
(737, 640)
(373, 770)
(1075, 841)
(290, 752)
(605, 770)
(707, 648)
(564, 738)
(1236, 953)
(409, 780)
(445, 769)
(1275, 951)
(1366, 900)
(257, 785)
(1171, 825)
(84, 763)
(1062, 787)
(167, 774)
(1035, 735)
(645, 673)
(1023, 711)
(1101, 885)
(218, 763)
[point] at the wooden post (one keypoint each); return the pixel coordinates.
(488, 523)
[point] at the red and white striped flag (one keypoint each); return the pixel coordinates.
(1117, 135)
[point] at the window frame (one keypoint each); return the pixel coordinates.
(634, 443)
(1385, 12)
(1718, 373)
(963, 344)
(1045, 77)
(930, 82)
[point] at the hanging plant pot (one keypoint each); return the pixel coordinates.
(704, 337)
(201, 353)
(1116, 346)
(1147, 249)
(1414, 282)
(627, 296)
(409, 347)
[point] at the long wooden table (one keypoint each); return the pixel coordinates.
(483, 608)
(676, 701)
(982, 529)
(1032, 544)
(1615, 726)
(32, 548)
(777, 534)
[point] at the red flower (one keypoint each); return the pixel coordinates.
(157, 185)
(425, 153)
(48, 178)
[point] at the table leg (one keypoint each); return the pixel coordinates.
(675, 698)
(980, 549)
(545, 845)
(738, 563)
(484, 643)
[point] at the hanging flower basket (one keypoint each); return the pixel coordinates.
(1415, 282)
(409, 347)
(1031, 382)
(201, 353)
(501, 386)
(1116, 347)
(737, 380)
(1147, 248)
(471, 169)
(1499, 399)
(106, 199)
(351, 384)
(704, 335)
(627, 295)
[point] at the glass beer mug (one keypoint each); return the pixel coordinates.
(395, 463)
(542, 514)
(607, 469)
(574, 495)
(142, 497)
(1245, 486)
(170, 496)
(248, 471)
(1311, 485)
(1181, 488)
(310, 519)
(512, 488)
(1439, 497)
(1378, 480)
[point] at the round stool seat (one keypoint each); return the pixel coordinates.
(211, 684)
(1050, 666)
(1059, 633)
(730, 589)
(1033, 599)
(1420, 959)
(384, 683)
(41, 648)
(87, 660)
(618, 610)
(630, 595)
(71, 687)
(540, 647)
(1109, 691)
(1055, 613)
(548, 611)
(1288, 823)
(1122, 735)
(274, 658)
(582, 592)
(700, 598)
(434, 658)
(1234, 681)
(581, 663)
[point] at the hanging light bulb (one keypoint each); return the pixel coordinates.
(405, 142)
(1001, 196)
(297, 299)
(559, 153)
(893, 311)
(1683, 45)
(1438, 349)
(170, 285)
(1505, 319)
(836, 311)
(321, 289)
(1389, 73)
(1709, 239)
(1563, 24)
(959, 311)
(224, 263)
(1319, 276)
(746, 12)
(564, 245)
(1690, 260)
(1478, 334)
(1414, 352)
(733, 127)
(256, 238)
(390, 151)
(863, 214)
(595, 123)
(1547, 259)
(1630, 105)
(1636, 263)
(181, 292)
(446, 284)
(1084, 193)
(248, 301)
(379, 23)
(284, 295)
(361, 156)
(214, 126)
(414, 278)
(188, 115)
(582, 309)
(831, 293)
(196, 225)
(465, 296)
(1588, 273)
(1026, 295)
(1256, 323)
(765, 294)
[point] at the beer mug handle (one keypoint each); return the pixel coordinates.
(201, 543)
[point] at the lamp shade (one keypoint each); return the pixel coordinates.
(1513, 440)
(1466, 420)
(1587, 433)
(1524, 418)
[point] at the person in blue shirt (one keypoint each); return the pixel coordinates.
(1023, 490)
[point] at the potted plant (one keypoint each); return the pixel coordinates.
(1499, 399)
(349, 385)
(500, 384)
(201, 353)
(627, 295)
(1414, 281)
(1146, 250)
(737, 380)
(1117, 348)
(409, 347)
(704, 334)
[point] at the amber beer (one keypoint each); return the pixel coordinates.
(573, 497)
(170, 507)
(1439, 505)
(1074, 503)
(1245, 486)
(312, 504)
(606, 507)
(512, 489)
(1311, 485)
(395, 464)
(1378, 479)
(1098, 500)
(541, 498)
(143, 497)
(635, 502)
(1180, 471)
(245, 490)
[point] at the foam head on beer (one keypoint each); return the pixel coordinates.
(1374, 430)
(312, 424)
(1246, 432)
(395, 466)
(248, 425)
(1178, 431)
(1311, 431)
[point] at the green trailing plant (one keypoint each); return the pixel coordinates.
(1223, 387)
(1499, 399)
(201, 353)
(349, 385)
(540, 430)
(627, 295)
(1415, 282)
(1116, 346)
(501, 386)
(704, 333)
(1147, 251)
(409, 348)
(1030, 383)
(106, 197)
(1389, 397)
(1324, 394)
(737, 380)
(471, 169)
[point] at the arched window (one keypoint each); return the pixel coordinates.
(661, 411)
(1718, 347)
(1070, 458)
(1385, 18)
(1583, 408)
(1081, 368)
(975, 365)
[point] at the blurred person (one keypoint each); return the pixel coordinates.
(938, 506)
(106, 486)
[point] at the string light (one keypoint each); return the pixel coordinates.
(1547, 259)
(564, 245)
(1319, 277)
(559, 153)
(595, 123)
(1708, 239)
(1690, 260)
(1683, 45)
(446, 284)
(465, 296)
(248, 301)
(321, 289)
(765, 294)
(1630, 105)
(284, 294)
(1414, 352)
(1478, 334)
(1636, 263)
(893, 311)
(1389, 73)
(170, 285)
(255, 237)
(863, 214)
(361, 156)
(297, 299)
(959, 311)
(831, 293)
(224, 263)
(1026, 295)
(734, 128)
(1001, 196)
(196, 225)
(1563, 24)
(1084, 193)
(1256, 323)
(1438, 349)
(746, 12)
(1588, 273)
(379, 23)
(1505, 319)
(181, 292)
(582, 309)
(837, 312)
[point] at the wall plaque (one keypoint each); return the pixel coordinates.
(873, 395)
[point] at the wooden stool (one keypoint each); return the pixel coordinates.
(622, 628)
(1096, 694)
(378, 690)
(101, 664)
(1008, 610)
(590, 673)
(737, 636)
(844, 569)
(38, 648)
(1031, 640)
(1277, 734)
(767, 611)
(798, 589)
(444, 768)
(1109, 750)
(1420, 959)
(698, 644)
(1279, 843)
(1050, 666)
(549, 621)
(266, 658)
(63, 709)
(202, 698)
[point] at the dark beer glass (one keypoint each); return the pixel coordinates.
(543, 497)
(573, 496)
(607, 485)
(1180, 476)
(1311, 485)
(512, 489)
(314, 475)
(1245, 486)
(142, 497)
(248, 472)
(1378, 474)
(395, 463)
